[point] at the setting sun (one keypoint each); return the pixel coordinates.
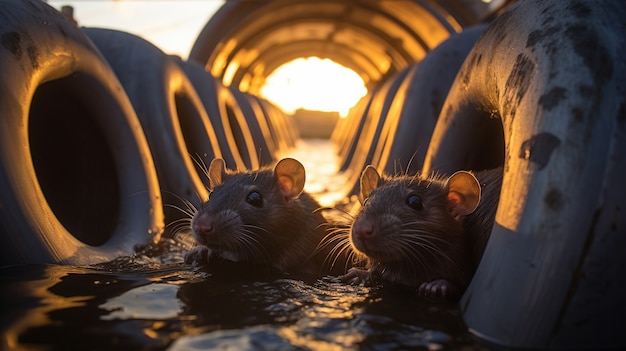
(314, 84)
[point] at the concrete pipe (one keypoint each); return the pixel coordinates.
(234, 134)
(362, 152)
(550, 76)
(416, 106)
(77, 180)
(259, 128)
(179, 132)
(286, 126)
(343, 135)
(278, 133)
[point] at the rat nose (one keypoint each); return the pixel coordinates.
(363, 229)
(203, 226)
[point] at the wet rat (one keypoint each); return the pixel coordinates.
(259, 217)
(423, 232)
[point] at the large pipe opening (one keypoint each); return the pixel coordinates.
(72, 159)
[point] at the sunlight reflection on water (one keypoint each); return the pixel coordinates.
(151, 301)
(172, 306)
(154, 301)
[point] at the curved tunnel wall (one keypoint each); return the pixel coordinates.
(246, 40)
(552, 266)
(543, 283)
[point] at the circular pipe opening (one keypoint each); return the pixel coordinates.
(72, 159)
(485, 147)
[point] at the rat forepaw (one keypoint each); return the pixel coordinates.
(197, 256)
(356, 276)
(438, 288)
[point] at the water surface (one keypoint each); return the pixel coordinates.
(151, 301)
(155, 306)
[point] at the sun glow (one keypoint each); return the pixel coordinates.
(314, 84)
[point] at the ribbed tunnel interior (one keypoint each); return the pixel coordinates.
(245, 41)
(108, 231)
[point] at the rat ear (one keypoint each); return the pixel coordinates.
(217, 171)
(369, 181)
(463, 194)
(291, 177)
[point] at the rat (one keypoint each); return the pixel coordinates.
(261, 217)
(423, 232)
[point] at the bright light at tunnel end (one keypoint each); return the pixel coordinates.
(314, 84)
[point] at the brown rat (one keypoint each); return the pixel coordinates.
(419, 232)
(259, 217)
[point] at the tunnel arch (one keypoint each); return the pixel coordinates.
(245, 41)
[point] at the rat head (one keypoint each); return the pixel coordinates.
(248, 212)
(410, 218)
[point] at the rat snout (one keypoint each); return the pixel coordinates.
(363, 229)
(203, 226)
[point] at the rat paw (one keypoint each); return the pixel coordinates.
(356, 276)
(437, 288)
(197, 256)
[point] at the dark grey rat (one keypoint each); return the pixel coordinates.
(417, 231)
(259, 217)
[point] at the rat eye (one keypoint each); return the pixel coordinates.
(255, 199)
(415, 202)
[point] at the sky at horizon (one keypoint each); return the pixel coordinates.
(173, 27)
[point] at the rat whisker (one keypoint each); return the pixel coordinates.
(423, 242)
(201, 165)
(342, 248)
(248, 250)
(341, 245)
(355, 259)
(408, 166)
(184, 211)
(250, 239)
(422, 236)
(419, 258)
(180, 228)
(250, 226)
(188, 205)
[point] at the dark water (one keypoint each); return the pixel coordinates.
(152, 301)
(142, 303)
